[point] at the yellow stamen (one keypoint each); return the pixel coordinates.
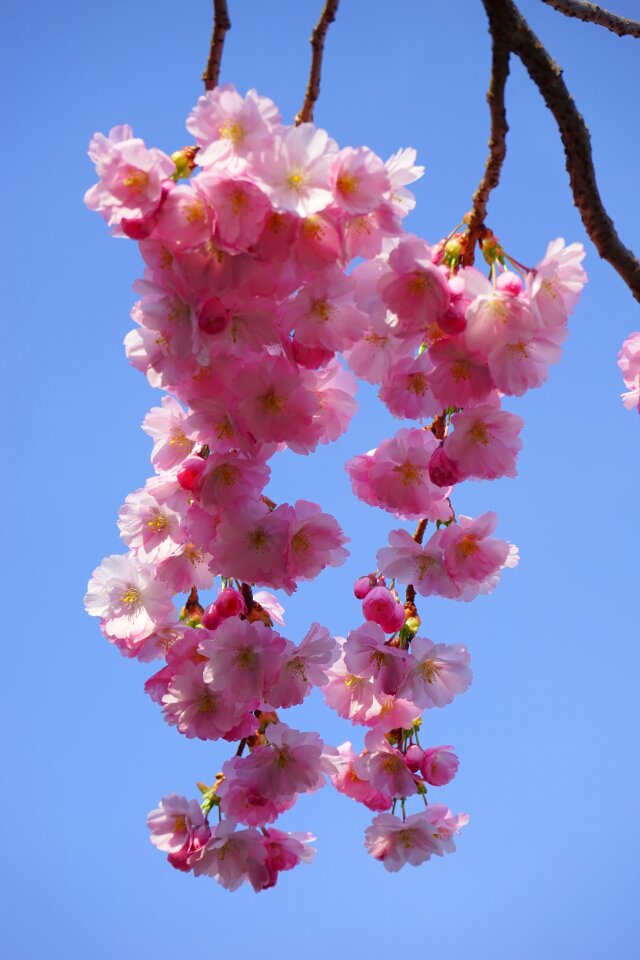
(136, 180)
(479, 434)
(347, 183)
(232, 131)
(131, 596)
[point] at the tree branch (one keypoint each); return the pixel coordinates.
(507, 23)
(221, 24)
(318, 36)
(593, 13)
(497, 146)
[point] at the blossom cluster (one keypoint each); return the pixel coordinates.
(248, 311)
(446, 345)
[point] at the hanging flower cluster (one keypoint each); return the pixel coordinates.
(246, 302)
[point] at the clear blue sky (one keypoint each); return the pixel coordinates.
(548, 733)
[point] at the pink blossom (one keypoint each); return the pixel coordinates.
(318, 241)
(436, 672)
(392, 712)
(444, 825)
(131, 176)
(296, 174)
(423, 565)
(241, 210)
(243, 657)
(402, 169)
(303, 667)
(556, 283)
(229, 480)
(368, 655)
(238, 125)
(148, 528)
(125, 594)
(323, 313)
(396, 842)
(495, 316)
(232, 856)
(250, 546)
(240, 798)
(275, 405)
(385, 767)
(198, 711)
(485, 442)
(284, 852)
(469, 552)
(461, 377)
(629, 363)
(186, 568)
(271, 604)
(358, 180)
(175, 822)
(395, 477)
(291, 762)
(351, 696)
(522, 364)
(185, 218)
(405, 389)
(347, 781)
(315, 541)
(166, 424)
(414, 289)
(439, 765)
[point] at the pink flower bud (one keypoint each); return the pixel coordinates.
(362, 586)
(230, 603)
(439, 765)
(213, 316)
(211, 618)
(310, 357)
(442, 470)
(190, 472)
(381, 607)
(509, 282)
(414, 757)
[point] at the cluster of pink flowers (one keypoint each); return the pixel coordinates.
(246, 307)
(629, 363)
(444, 344)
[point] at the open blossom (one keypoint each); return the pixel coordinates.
(303, 666)
(126, 596)
(395, 476)
(149, 528)
(495, 316)
(346, 780)
(405, 388)
(242, 657)
(166, 424)
(521, 363)
(358, 180)
(557, 281)
(414, 840)
(385, 767)
(629, 363)
(423, 565)
(485, 442)
(439, 765)
(315, 541)
(436, 673)
(291, 762)
(296, 174)
(241, 798)
(414, 289)
(175, 822)
(324, 315)
(285, 851)
(232, 856)
(367, 654)
(351, 696)
(469, 552)
(237, 125)
(198, 711)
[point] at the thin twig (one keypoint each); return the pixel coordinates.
(221, 25)
(507, 22)
(318, 36)
(497, 146)
(594, 13)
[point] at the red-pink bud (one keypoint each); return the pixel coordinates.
(509, 282)
(210, 618)
(190, 473)
(362, 586)
(381, 607)
(414, 757)
(213, 316)
(230, 603)
(443, 471)
(454, 321)
(310, 357)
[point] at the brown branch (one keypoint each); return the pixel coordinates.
(497, 147)
(507, 23)
(318, 36)
(594, 13)
(221, 25)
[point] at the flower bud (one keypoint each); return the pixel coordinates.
(213, 316)
(190, 473)
(211, 618)
(230, 603)
(443, 471)
(509, 282)
(414, 757)
(439, 765)
(362, 586)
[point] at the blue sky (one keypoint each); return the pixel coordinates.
(547, 735)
